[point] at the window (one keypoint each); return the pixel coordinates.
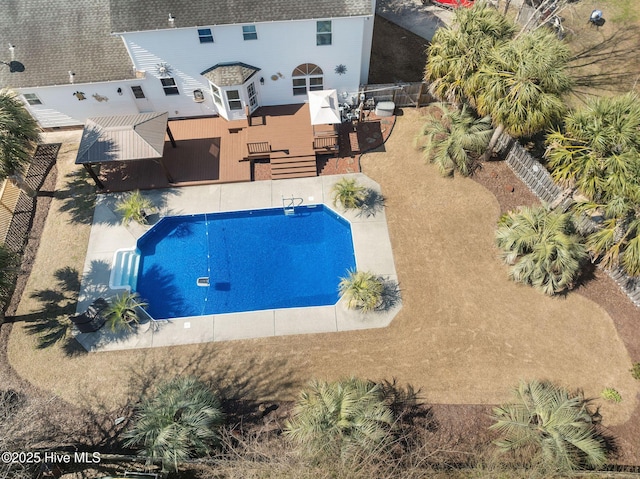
(299, 86)
(32, 99)
(216, 95)
(137, 92)
(253, 97)
(323, 32)
(233, 97)
(169, 86)
(249, 32)
(205, 35)
(307, 77)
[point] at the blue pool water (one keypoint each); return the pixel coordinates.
(254, 260)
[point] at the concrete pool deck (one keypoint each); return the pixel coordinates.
(372, 248)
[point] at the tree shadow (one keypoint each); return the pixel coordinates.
(52, 324)
(391, 294)
(78, 197)
(607, 63)
(372, 203)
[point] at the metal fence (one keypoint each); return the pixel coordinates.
(539, 181)
(402, 94)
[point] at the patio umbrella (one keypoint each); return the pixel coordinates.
(323, 107)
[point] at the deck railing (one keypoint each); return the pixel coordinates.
(259, 147)
(325, 142)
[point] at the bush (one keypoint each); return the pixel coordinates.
(635, 371)
(362, 290)
(611, 394)
(133, 208)
(348, 193)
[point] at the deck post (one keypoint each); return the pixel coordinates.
(99, 184)
(166, 172)
(171, 139)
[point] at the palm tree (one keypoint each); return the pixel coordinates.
(548, 421)
(19, 134)
(598, 153)
(541, 247)
(450, 138)
(348, 193)
(134, 207)
(362, 290)
(342, 418)
(180, 421)
(521, 85)
(122, 312)
(458, 51)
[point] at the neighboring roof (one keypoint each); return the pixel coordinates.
(123, 138)
(130, 16)
(54, 37)
(229, 74)
(323, 107)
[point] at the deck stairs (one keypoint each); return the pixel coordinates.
(124, 269)
(293, 167)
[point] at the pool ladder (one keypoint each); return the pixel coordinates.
(289, 204)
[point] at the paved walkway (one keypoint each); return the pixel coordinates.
(412, 15)
(372, 249)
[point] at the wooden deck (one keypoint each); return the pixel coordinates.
(214, 150)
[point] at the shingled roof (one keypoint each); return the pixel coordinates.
(129, 16)
(53, 37)
(229, 74)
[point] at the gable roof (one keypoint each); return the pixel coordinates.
(54, 37)
(123, 138)
(130, 16)
(229, 74)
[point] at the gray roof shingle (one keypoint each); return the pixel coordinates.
(129, 16)
(53, 37)
(228, 74)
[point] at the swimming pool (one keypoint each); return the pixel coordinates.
(243, 261)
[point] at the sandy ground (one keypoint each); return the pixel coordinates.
(465, 334)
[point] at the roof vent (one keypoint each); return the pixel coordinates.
(72, 77)
(172, 21)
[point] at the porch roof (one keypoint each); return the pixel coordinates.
(123, 138)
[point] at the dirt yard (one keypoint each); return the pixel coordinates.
(465, 333)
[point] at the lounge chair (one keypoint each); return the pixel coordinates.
(92, 319)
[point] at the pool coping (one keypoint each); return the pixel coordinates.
(372, 249)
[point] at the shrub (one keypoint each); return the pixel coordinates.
(611, 394)
(635, 371)
(133, 207)
(348, 193)
(362, 290)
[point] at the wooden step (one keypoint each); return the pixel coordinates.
(292, 174)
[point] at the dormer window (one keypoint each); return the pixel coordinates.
(205, 35)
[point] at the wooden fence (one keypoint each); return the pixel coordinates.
(539, 181)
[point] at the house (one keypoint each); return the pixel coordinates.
(95, 58)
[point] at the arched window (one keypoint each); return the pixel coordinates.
(306, 77)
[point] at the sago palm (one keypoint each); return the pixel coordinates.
(19, 134)
(547, 421)
(362, 290)
(541, 247)
(452, 137)
(457, 52)
(521, 86)
(122, 312)
(133, 207)
(348, 193)
(179, 422)
(341, 418)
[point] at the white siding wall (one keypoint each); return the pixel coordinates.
(280, 47)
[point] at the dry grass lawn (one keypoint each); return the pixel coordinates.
(465, 334)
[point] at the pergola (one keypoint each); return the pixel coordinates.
(124, 138)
